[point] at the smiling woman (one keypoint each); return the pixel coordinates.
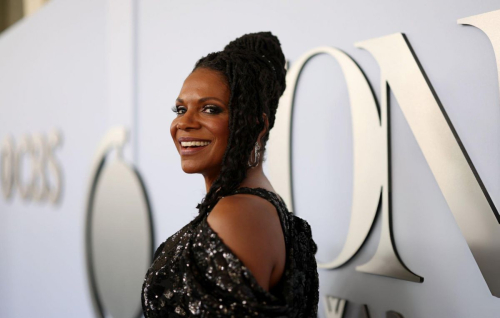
(202, 116)
(244, 254)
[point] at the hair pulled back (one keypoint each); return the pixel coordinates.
(254, 67)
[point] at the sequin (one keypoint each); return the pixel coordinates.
(168, 294)
(195, 274)
(194, 307)
(180, 311)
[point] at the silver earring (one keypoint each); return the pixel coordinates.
(256, 156)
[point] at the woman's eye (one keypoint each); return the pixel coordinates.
(178, 109)
(212, 109)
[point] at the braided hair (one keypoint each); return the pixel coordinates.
(254, 67)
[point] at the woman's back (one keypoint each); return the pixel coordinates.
(195, 273)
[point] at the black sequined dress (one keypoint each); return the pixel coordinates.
(194, 274)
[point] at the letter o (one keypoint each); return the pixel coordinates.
(366, 136)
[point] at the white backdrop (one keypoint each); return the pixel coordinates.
(52, 75)
(84, 67)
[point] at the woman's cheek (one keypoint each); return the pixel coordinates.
(173, 129)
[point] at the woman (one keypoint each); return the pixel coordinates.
(244, 254)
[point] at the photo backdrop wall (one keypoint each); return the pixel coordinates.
(79, 69)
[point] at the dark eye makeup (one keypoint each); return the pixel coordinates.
(213, 109)
(177, 109)
(209, 109)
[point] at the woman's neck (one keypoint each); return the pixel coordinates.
(255, 179)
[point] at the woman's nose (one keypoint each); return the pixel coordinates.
(188, 121)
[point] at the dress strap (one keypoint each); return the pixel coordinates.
(261, 192)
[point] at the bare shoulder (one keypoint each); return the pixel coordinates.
(249, 225)
(239, 209)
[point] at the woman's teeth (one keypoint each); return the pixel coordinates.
(194, 143)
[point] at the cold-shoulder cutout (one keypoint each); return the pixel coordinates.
(251, 227)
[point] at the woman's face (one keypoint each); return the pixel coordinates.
(201, 129)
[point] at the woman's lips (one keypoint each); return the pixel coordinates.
(192, 150)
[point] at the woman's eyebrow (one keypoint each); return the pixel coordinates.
(204, 99)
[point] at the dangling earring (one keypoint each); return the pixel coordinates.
(256, 156)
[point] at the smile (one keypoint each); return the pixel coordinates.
(194, 143)
(193, 146)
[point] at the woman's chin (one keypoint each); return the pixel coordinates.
(190, 168)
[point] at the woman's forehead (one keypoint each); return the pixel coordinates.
(205, 82)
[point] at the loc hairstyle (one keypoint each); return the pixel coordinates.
(254, 67)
